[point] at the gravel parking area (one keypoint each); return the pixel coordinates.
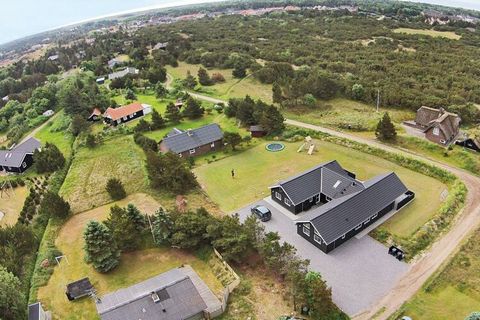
(359, 272)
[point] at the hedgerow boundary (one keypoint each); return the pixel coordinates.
(423, 237)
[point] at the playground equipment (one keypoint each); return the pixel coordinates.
(308, 142)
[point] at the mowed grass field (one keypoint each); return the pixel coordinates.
(455, 292)
(257, 169)
(428, 32)
(134, 267)
(53, 134)
(339, 113)
(231, 88)
(119, 157)
(12, 205)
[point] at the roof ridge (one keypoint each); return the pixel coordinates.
(320, 166)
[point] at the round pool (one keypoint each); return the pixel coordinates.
(275, 146)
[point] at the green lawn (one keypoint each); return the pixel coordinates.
(134, 267)
(341, 113)
(431, 33)
(256, 169)
(120, 157)
(53, 134)
(231, 88)
(455, 292)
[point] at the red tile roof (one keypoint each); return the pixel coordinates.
(96, 112)
(124, 111)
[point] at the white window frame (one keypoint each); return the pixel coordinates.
(359, 226)
(24, 165)
(306, 229)
(125, 118)
(328, 198)
(367, 221)
(343, 237)
(374, 216)
(212, 145)
(436, 131)
(192, 151)
(278, 195)
(287, 201)
(317, 238)
(317, 198)
(130, 116)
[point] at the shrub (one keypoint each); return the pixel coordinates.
(115, 189)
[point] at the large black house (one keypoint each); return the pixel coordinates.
(19, 158)
(470, 143)
(339, 206)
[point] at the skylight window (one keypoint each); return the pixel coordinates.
(337, 184)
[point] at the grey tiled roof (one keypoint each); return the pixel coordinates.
(178, 297)
(15, 156)
(192, 139)
(341, 215)
(309, 183)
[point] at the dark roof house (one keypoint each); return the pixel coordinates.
(469, 143)
(19, 158)
(123, 73)
(438, 125)
(339, 206)
(257, 131)
(36, 312)
(174, 295)
(193, 142)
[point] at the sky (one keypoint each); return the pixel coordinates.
(20, 18)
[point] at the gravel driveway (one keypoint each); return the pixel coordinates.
(360, 271)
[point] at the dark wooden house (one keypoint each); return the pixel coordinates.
(193, 142)
(116, 116)
(79, 289)
(339, 206)
(19, 158)
(470, 143)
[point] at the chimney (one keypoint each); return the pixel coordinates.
(189, 132)
(155, 297)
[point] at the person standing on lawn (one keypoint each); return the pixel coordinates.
(233, 174)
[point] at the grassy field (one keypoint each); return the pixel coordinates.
(61, 138)
(341, 113)
(119, 157)
(455, 292)
(256, 169)
(12, 206)
(431, 33)
(231, 88)
(134, 267)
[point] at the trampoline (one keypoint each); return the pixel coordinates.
(275, 147)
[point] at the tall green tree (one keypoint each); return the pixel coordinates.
(78, 124)
(49, 159)
(319, 297)
(100, 247)
(190, 229)
(385, 129)
(126, 226)
(12, 299)
(163, 225)
(130, 94)
(160, 91)
(272, 121)
(157, 121)
(193, 109)
(190, 82)
(170, 173)
(172, 113)
(53, 205)
(277, 95)
(204, 77)
(233, 139)
(115, 189)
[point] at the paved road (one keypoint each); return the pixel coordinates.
(466, 222)
(360, 271)
(425, 266)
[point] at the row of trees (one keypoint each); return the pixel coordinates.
(250, 112)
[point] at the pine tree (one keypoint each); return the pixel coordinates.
(126, 226)
(142, 126)
(157, 121)
(193, 110)
(162, 227)
(49, 159)
(272, 120)
(172, 113)
(203, 77)
(160, 91)
(190, 82)
(385, 129)
(90, 141)
(277, 96)
(100, 248)
(115, 189)
(53, 205)
(130, 95)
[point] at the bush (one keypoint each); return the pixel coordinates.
(115, 189)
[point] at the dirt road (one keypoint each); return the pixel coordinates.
(466, 222)
(37, 129)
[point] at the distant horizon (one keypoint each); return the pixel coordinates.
(82, 11)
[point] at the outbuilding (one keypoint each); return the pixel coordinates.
(470, 143)
(79, 289)
(257, 131)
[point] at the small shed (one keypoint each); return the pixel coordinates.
(470, 143)
(79, 289)
(179, 103)
(257, 131)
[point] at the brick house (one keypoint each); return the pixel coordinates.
(438, 125)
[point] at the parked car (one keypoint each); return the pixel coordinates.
(262, 213)
(397, 253)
